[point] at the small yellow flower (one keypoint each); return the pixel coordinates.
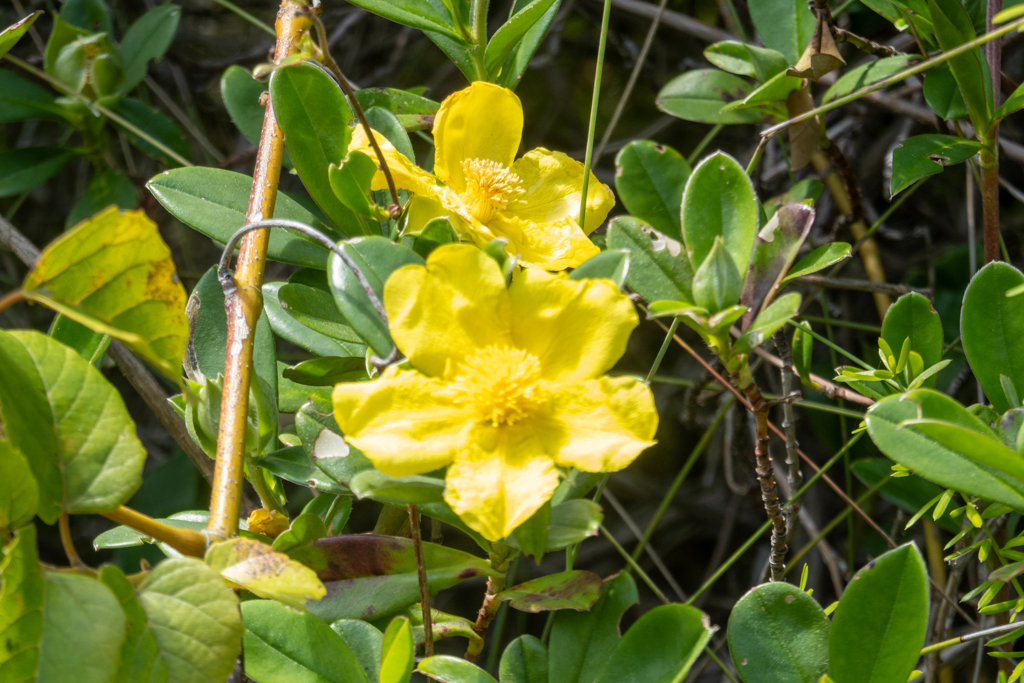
(507, 383)
(534, 202)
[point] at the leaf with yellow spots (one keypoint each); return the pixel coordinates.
(114, 274)
(260, 569)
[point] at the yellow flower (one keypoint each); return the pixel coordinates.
(534, 202)
(507, 384)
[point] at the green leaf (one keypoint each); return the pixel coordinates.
(572, 522)
(913, 316)
(953, 28)
(879, 627)
(61, 35)
(26, 168)
(717, 283)
(819, 259)
(289, 327)
(769, 322)
(583, 640)
(314, 116)
(303, 530)
(114, 274)
(927, 456)
(719, 201)
(660, 647)
(786, 26)
(659, 269)
(388, 125)
(138, 637)
(515, 66)
(292, 464)
(106, 187)
(774, 91)
(21, 607)
(314, 308)
(779, 634)
(415, 489)
(13, 33)
(612, 264)
(326, 372)
(83, 629)
(577, 590)
(458, 53)
(365, 641)
(323, 442)
(241, 94)
(699, 95)
(88, 15)
(1012, 104)
(413, 111)
(525, 660)
(924, 155)
(396, 659)
(511, 32)
(274, 655)
(21, 100)
(88, 344)
(775, 249)
(650, 179)
(943, 95)
(214, 202)
(147, 40)
(84, 454)
(866, 74)
(19, 493)
(532, 535)
(375, 576)
(350, 182)
(156, 124)
(377, 258)
(435, 233)
(992, 327)
(746, 60)
(420, 14)
(448, 669)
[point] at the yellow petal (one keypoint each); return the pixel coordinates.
(407, 175)
(483, 121)
(553, 188)
(552, 246)
(447, 310)
(403, 421)
(578, 329)
(268, 522)
(500, 482)
(422, 209)
(600, 425)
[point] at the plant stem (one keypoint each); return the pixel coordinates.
(793, 475)
(501, 555)
(421, 573)
(11, 298)
(479, 19)
(65, 539)
(739, 372)
(594, 100)
(990, 198)
(186, 541)
(243, 305)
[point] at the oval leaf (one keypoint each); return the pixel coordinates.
(577, 590)
(719, 201)
(660, 647)
(650, 179)
(992, 326)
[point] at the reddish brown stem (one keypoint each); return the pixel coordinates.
(421, 572)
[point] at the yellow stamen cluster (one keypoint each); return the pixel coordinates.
(490, 187)
(500, 384)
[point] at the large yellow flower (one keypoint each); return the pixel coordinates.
(534, 202)
(507, 384)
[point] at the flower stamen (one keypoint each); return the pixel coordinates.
(490, 187)
(501, 384)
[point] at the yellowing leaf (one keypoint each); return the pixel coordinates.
(261, 570)
(114, 274)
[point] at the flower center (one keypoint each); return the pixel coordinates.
(490, 187)
(500, 384)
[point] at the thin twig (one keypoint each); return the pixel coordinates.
(594, 100)
(68, 543)
(421, 574)
(858, 285)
